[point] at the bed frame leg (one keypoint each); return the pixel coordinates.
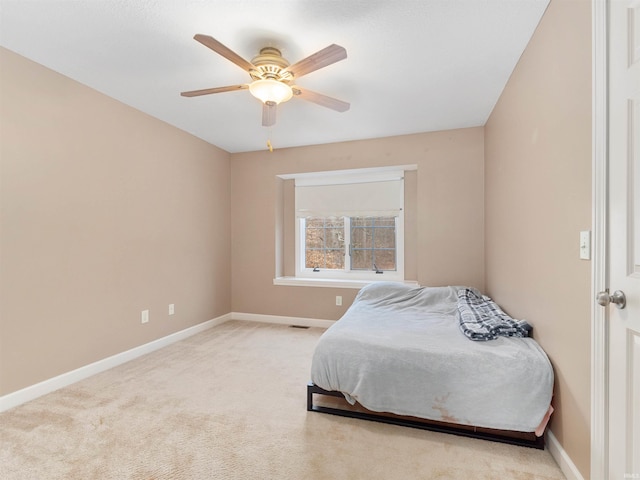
(310, 386)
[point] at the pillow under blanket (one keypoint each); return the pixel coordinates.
(482, 319)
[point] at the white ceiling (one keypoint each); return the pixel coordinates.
(412, 66)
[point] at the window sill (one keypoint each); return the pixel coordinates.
(329, 282)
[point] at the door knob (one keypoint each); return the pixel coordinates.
(618, 298)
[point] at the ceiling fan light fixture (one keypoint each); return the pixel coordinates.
(271, 91)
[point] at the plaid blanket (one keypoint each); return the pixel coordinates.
(482, 319)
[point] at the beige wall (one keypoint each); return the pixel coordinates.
(105, 212)
(446, 243)
(538, 199)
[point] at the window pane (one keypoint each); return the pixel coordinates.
(335, 259)
(362, 221)
(384, 237)
(315, 238)
(334, 222)
(314, 222)
(314, 258)
(384, 222)
(385, 259)
(334, 237)
(314, 235)
(362, 260)
(361, 238)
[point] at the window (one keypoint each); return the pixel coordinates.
(350, 225)
(350, 243)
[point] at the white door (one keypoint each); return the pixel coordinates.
(624, 239)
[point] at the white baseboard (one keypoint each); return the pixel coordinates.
(297, 321)
(562, 458)
(47, 386)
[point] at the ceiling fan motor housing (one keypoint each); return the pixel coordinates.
(270, 65)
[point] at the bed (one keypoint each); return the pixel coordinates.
(399, 355)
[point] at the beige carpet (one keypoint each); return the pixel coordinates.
(230, 403)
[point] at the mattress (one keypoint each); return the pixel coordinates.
(399, 349)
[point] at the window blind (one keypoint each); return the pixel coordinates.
(350, 195)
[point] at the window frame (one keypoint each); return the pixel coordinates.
(347, 274)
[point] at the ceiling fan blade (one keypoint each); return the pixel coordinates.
(268, 114)
(320, 99)
(227, 53)
(326, 56)
(207, 91)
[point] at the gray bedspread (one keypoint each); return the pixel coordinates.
(399, 349)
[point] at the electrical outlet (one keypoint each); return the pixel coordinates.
(338, 300)
(144, 318)
(172, 309)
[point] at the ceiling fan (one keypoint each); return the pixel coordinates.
(272, 77)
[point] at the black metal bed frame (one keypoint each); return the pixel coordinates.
(493, 435)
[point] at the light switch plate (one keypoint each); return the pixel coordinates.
(585, 245)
